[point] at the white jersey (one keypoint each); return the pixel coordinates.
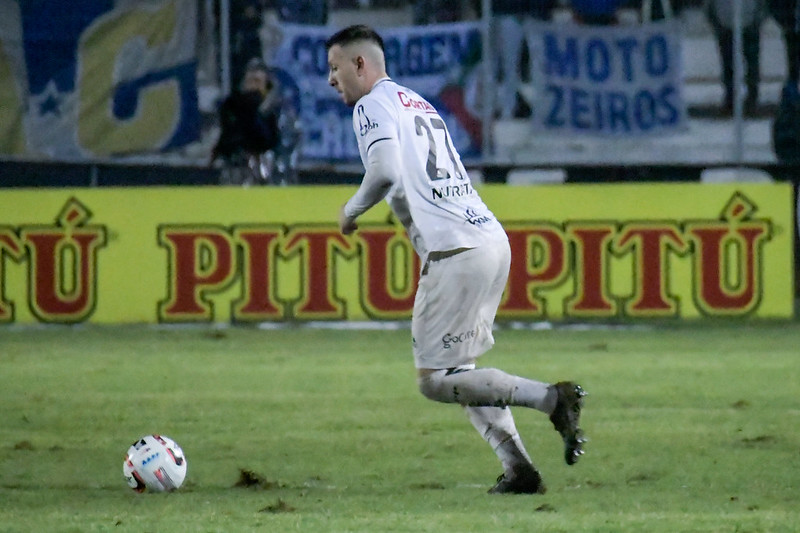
(434, 198)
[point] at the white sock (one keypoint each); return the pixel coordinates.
(487, 387)
(496, 426)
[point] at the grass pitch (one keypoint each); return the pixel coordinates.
(692, 428)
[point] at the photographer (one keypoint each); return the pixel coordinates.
(249, 128)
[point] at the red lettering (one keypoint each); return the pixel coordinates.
(200, 262)
(258, 301)
(592, 292)
(650, 244)
(63, 266)
(62, 276)
(538, 260)
(727, 259)
(316, 247)
(718, 293)
(406, 101)
(10, 246)
(383, 296)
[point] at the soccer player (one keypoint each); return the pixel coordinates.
(411, 162)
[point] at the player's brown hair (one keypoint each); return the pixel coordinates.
(351, 34)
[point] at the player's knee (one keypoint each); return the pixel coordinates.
(430, 384)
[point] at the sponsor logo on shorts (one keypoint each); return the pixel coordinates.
(449, 339)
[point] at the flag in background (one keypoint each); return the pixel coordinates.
(96, 78)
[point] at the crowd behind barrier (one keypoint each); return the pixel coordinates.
(256, 27)
(707, 73)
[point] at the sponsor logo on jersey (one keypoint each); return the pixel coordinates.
(413, 103)
(475, 218)
(364, 122)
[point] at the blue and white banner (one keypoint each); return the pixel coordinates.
(438, 61)
(621, 81)
(95, 78)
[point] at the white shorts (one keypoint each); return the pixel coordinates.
(456, 304)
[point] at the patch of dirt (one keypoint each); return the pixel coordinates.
(278, 507)
(249, 479)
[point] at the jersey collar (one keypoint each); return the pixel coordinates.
(387, 78)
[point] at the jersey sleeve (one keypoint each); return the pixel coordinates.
(383, 165)
(373, 122)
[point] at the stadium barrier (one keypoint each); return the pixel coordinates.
(261, 254)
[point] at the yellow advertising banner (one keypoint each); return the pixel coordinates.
(219, 254)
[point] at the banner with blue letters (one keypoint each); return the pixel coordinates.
(97, 78)
(440, 62)
(619, 81)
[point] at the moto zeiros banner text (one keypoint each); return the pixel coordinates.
(608, 81)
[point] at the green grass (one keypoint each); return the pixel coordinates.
(692, 428)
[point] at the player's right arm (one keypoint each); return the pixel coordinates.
(375, 126)
(383, 170)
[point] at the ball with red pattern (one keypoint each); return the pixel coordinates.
(154, 463)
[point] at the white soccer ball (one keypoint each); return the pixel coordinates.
(154, 463)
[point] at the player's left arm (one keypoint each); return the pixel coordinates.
(383, 170)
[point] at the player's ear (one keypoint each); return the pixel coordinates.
(359, 61)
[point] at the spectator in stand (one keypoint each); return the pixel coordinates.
(249, 129)
(595, 12)
(312, 12)
(720, 15)
(787, 14)
(245, 20)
